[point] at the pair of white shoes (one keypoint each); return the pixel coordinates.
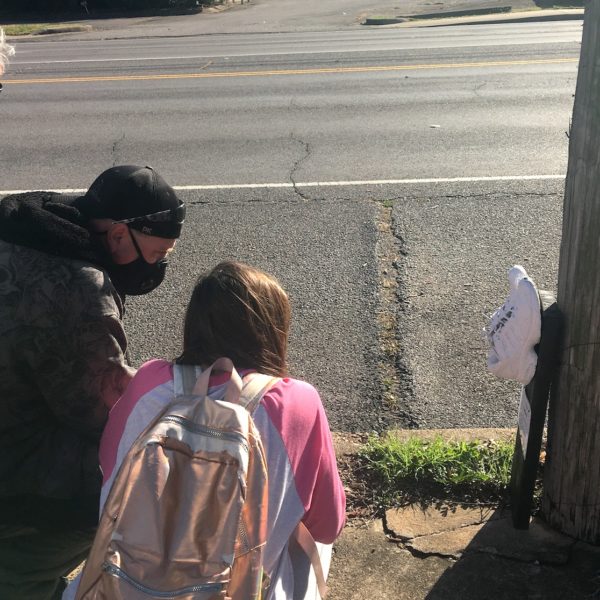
(515, 329)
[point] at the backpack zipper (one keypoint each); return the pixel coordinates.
(232, 436)
(202, 587)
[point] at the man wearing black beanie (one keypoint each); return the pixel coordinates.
(66, 266)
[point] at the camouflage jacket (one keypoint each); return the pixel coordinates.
(62, 349)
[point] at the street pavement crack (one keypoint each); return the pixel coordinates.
(420, 554)
(405, 542)
(396, 378)
(297, 165)
(477, 88)
(115, 149)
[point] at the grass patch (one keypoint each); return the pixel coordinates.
(25, 29)
(389, 472)
(452, 465)
(43, 28)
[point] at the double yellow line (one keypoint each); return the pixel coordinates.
(329, 70)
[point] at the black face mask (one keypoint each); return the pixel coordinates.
(137, 277)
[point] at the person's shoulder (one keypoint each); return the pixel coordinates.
(296, 387)
(57, 270)
(155, 368)
(70, 289)
(92, 288)
(156, 365)
(150, 375)
(92, 275)
(294, 397)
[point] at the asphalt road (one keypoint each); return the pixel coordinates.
(405, 106)
(274, 108)
(443, 249)
(323, 252)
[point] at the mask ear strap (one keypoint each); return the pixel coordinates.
(136, 245)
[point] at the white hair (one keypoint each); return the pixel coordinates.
(5, 51)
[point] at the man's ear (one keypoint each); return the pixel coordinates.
(116, 237)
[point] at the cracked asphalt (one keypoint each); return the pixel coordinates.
(457, 249)
(446, 251)
(323, 252)
(390, 284)
(298, 164)
(334, 106)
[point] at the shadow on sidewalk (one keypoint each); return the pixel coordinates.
(502, 563)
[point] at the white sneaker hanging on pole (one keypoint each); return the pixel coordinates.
(515, 329)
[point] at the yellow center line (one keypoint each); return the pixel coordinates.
(205, 75)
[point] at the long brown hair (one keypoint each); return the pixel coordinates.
(239, 312)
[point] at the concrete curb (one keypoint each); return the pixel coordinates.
(442, 14)
(487, 19)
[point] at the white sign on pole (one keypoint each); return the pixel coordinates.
(524, 420)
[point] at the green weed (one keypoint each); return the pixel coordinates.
(417, 468)
(39, 28)
(25, 29)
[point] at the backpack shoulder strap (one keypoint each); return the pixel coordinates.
(255, 387)
(184, 379)
(306, 541)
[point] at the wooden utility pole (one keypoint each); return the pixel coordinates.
(572, 475)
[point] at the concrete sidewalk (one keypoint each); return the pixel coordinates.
(234, 17)
(456, 553)
(453, 552)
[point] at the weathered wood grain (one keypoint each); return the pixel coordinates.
(572, 474)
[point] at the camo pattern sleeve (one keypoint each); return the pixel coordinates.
(76, 345)
(62, 366)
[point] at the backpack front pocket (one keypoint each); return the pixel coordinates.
(177, 524)
(120, 585)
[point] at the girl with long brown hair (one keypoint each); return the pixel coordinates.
(239, 312)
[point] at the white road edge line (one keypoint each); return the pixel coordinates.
(238, 54)
(245, 186)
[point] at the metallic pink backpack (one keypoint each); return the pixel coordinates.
(186, 516)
